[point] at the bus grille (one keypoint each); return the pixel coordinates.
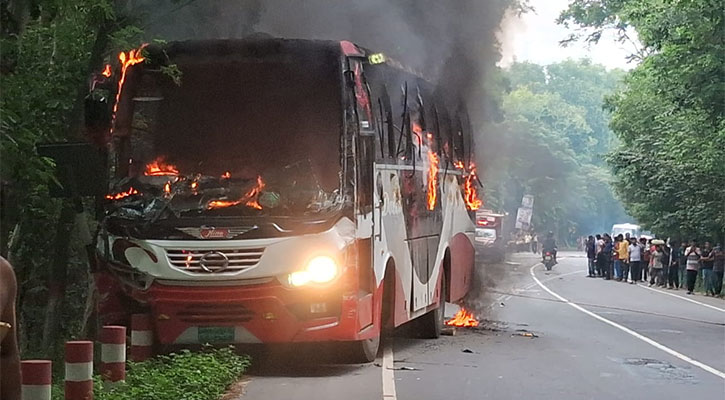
(215, 314)
(212, 260)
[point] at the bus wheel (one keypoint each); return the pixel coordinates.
(431, 323)
(363, 351)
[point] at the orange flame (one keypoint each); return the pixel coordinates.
(432, 179)
(107, 71)
(194, 186)
(470, 193)
(458, 164)
(249, 198)
(463, 318)
(159, 167)
(226, 175)
(167, 187)
(118, 196)
(133, 57)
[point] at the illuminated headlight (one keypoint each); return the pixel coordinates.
(321, 269)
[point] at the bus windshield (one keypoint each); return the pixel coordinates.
(233, 137)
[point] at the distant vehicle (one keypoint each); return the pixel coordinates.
(488, 235)
(548, 260)
(624, 229)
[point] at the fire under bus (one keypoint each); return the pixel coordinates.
(277, 191)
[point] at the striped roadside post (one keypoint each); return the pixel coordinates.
(37, 378)
(113, 354)
(79, 370)
(142, 337)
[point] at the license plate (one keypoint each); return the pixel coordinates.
(547, 258)
(216, 334)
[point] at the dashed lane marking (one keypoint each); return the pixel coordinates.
(643, 338)
(683, 298)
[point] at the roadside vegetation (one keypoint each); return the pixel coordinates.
(550, 142)
(186, 375)
(669, 161)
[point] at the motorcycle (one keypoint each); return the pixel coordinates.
(548, 260)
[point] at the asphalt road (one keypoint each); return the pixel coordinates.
(544, 335)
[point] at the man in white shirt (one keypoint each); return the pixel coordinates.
(635, 260)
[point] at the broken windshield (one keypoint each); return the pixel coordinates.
(231, 137)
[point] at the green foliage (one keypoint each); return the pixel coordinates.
(670, 162)
(187, 375)
(551, 144)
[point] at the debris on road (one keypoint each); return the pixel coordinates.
(467, 351)
(449, 331)
(524, 333)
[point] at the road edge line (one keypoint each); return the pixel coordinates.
(388, 374)
(623, 328)
(681, 297)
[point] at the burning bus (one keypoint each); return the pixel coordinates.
(274, 191)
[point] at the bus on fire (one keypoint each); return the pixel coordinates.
(270, 190)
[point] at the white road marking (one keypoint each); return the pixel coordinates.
(631, 332)
(388, 367)
(683, 298)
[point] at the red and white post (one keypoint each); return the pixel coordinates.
(113, 354)
(142, 337)
(79, 370)
(37, 379)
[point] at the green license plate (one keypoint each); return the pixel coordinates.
(216, 334)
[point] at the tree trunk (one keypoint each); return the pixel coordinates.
(58, 276)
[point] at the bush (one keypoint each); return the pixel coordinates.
(185, 375)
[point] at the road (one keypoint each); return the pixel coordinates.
(546, 335)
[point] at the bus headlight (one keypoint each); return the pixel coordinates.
(321, 269)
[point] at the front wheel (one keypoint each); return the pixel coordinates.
(363, 351)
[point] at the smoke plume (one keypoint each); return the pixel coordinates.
(453, 43)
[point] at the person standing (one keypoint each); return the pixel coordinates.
(692, 253)
(9, 354)
(683, 264)
(635, 260)
(591, 249)
(673, 276)
(707, 263)
(655, 272)
(646, 255)
(624, 257)
(599, 246)
(717, 270)
(607, 253)
(535, 244)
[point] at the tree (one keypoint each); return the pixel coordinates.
(551, 144)
(670, 163)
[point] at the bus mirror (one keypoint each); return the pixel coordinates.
(79, 169)
(97, 118)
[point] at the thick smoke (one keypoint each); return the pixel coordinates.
(452, 43)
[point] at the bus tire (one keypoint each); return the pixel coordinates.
(431, 323)
(363, 351)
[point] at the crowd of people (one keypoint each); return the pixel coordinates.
(662, 263)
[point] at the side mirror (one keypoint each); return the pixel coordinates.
(97, 118)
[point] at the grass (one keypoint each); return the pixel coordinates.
(186, 375)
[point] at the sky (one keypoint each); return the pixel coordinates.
(535, 37)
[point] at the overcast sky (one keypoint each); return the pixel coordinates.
(535, 37)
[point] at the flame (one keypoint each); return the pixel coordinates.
(463, 318)
(107, 71)
(167, 187)
(226, 175)
(249, 198)
(458, 164)
(133, 57)
(432, 179)
(118, 196)
(470, 193)
(159, 167)
(194, 186)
